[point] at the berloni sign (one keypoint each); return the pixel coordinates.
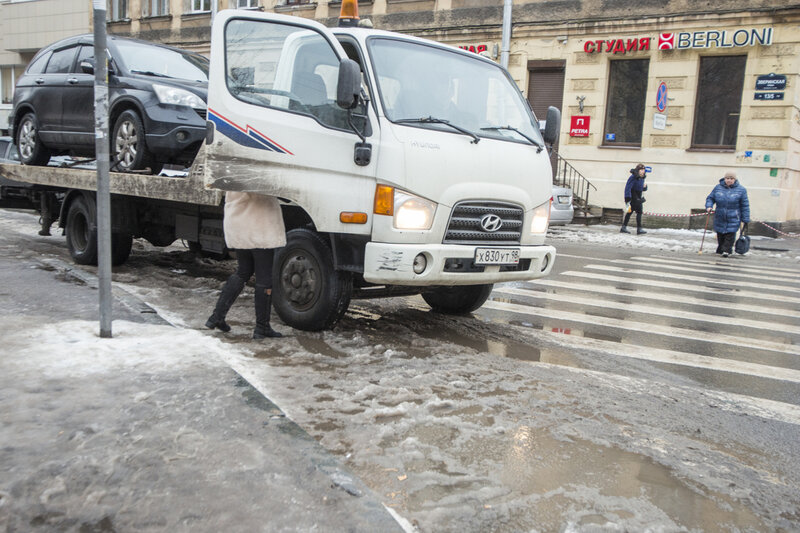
(683, 41)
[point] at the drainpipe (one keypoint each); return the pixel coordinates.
(214, 6)
(506, 46)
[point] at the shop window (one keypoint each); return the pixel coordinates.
(117, 10)
(627, 89)
(719, 101)
(155, 8)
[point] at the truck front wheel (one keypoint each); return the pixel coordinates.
(457, 300)
(308, 294)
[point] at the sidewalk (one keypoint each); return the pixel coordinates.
(149, 430)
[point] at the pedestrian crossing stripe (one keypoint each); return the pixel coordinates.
(748, 295)
(643, 294)
(652, 310)
(733, 272)
(717, 265)
(650, 329)
(702, 279)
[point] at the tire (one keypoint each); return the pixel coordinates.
(82, 232)
(457, 300)
(82, 236)
(128, 146)
(307, 293)
(31, 149)
(121, 244)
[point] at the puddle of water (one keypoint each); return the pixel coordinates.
(537, 463)
(314, 345)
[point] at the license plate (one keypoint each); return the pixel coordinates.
(496, 256)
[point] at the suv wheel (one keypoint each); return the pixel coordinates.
(31, 149)
(128, 148)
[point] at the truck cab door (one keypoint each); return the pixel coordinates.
(277, 129)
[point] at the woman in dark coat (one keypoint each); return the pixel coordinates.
(733, 210)
(633, 197)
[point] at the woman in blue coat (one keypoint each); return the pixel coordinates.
(634, 188)
(733, 210)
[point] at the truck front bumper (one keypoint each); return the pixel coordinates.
(447, 264)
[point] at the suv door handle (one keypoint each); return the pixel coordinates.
(72, 81)
(39, 81)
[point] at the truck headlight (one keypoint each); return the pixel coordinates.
(175, 96)
(407, 210)
(412, 212)
(541, 217)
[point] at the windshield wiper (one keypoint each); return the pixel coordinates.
(434, 120)
(151, 73)
(512, 128)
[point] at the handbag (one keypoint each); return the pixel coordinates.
(742, 245)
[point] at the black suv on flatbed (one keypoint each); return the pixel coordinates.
(157, 103)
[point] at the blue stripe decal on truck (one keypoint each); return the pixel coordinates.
(247, 136)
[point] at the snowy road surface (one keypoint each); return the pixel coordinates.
(641, 386)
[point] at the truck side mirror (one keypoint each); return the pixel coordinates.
(348, 89)
(552, 127)
(87, 66)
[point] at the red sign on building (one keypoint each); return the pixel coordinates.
(579, 126)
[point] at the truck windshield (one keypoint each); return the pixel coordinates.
(418, 81)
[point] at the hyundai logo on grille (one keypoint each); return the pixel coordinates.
(491, 223)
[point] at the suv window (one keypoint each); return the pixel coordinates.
(61, 61)
(85, 52)
(37, 67)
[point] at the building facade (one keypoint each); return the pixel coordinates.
(690, 89)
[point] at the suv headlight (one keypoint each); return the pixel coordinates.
(408, 211)
(175, 96)
(541, 217)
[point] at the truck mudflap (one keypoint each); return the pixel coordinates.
(444, 264)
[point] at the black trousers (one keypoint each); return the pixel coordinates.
(257, 261)
(636, 207)
(725, 242)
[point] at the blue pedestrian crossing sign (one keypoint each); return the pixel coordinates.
(661, 97)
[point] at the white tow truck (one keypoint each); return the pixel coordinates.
(402, 165)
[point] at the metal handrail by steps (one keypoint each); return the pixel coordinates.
(566, 175)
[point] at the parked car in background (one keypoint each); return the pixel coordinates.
(157, 103)
(13, 193)
(562, 210)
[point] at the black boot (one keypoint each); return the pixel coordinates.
(229, 293)
(624, 228)
(639, 230)
(263, 302)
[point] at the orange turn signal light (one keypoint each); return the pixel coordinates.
(384, 200)
(348, 217)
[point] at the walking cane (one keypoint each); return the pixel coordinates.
(704, 233)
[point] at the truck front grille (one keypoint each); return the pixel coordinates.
(465, 223)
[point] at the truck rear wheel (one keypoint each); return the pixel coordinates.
(307, 292)
(457, 300)
(82, 236)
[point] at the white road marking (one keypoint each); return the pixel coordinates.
(701, 279)
(647, 328)
(723, 264)
(736, 273)
(659, 296)
(749, 295)
(652, 310)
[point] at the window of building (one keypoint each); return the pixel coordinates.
(719, 101)
(199, 6)
(8, 78)
(117, 10)
(155, 8)
(246, 3)
(627, 89)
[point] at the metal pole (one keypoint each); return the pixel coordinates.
(102, 144)
(506, 46)
(214, 6)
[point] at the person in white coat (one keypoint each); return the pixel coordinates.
(253, 226)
